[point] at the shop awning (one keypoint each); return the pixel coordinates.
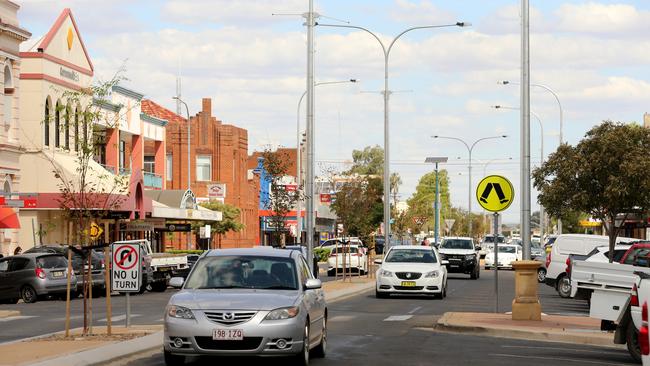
(8, 218)
(161, 210)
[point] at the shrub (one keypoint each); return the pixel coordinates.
(321, 254)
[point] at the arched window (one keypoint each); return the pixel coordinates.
(8, 95)
(57, 125)
(46, 124)
(76, 129)
(86, 122)
(66, 124)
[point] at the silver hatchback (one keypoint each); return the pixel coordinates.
(257, 302)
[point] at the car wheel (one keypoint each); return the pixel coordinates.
(474, 274)
(444, 290)
(97, 292)
(564, 287)
(321, 350)
(632, 341)
(487, 268)
(159, 286)
(28, 294)
(302, 358)
(541, 275)
(172, 360)
(330, 272)
(381, 295)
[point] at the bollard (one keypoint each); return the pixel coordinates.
(526, 305)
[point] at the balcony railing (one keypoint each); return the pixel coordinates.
(152, 180)
(125, 171)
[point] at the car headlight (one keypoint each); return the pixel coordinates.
(470, 256)
(442, 256)
(283, 313)
(385, 273)
(176, 311)
(432, 274)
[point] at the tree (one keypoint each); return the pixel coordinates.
(282, 198)
(422, 200)
(395, 182)
(369, 161)
(359, 205)
(606, 175)
(230, 220)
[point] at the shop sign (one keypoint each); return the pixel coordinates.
(138, 226)
(325, 198)
(158, 223)
(178, 227)
(217, 190)
(69, 74)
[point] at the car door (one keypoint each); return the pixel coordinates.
(5, 285)
(313, 300)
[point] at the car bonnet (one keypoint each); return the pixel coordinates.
(235, 299)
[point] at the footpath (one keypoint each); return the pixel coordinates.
(100, 349)
(552, 328)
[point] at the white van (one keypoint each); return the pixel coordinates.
(565, 245)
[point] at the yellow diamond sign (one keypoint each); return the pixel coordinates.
(95, 230)
(70, 38)
(495, 193)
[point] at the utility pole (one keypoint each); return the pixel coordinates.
(525, 129)
(309, 215)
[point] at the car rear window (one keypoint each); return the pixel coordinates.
(51, 261)
(337, 250)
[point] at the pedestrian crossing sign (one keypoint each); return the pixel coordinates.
(495, 193)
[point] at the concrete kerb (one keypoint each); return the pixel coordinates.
(346, 293)
(443, 324)
(9, 313)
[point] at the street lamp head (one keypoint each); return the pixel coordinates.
(464, 24)
(504, 136)
(504, 82)
(435, 137)
(496, 106)
(354, 80)
(174, 97)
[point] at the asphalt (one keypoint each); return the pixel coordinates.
(399, 330)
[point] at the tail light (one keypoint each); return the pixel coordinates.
(644, 341)
(102, 263)
(359, 255)
(40, 273)
(568, 266)
(548, 260)
(634, 297)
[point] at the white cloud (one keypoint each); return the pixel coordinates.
(619, 19)
(422, 12)
(220, 12)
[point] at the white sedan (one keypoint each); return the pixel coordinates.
(348, 258)
(411, 270)
(508, 253)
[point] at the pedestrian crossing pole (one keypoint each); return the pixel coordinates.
(496, 262)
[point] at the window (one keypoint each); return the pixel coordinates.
(149, 164)
(57, 125)
(122, 153)
(8, 95)
(66, 126)
(204, 168)
(168, 168)
(18, 264)
(46, 124)
(76, 129)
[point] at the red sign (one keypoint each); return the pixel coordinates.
(325, 198)
(30, 202)
(2, 200)
(290, 187)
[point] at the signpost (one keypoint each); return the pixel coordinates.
(495, 193)
(125, 273)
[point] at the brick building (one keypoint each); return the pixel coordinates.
(218, 154)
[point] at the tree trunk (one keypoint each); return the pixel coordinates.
(611, 232)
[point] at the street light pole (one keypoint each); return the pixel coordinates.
(525, 129)
(470, 149)
(436, 226)
(386, 93)
(189, 169)
(311, 220)
(299, 158)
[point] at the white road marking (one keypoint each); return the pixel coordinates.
(160, 320)
(18, 317)
(414, 310)
(576, 360)
(341, 318)
(117, 318)
(398, 318)
(563, 349)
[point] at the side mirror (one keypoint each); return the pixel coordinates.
(444, 262)
(176, 282)
(313, 284)
(378, 261)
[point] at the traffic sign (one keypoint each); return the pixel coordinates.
(125, 272)
(95, 230)
(495, 193)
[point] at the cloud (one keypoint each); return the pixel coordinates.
(223, 12)
(604, 19)
(422, 12)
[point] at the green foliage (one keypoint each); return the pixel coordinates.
(359, 205)
(369, 161)
(421, 202)
(230, 218)
(606, 174)
(321, 254)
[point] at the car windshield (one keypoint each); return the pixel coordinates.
(411, 256)
(457, 244)
(51, 261)
(341, 250)
(254, 272)
(508, 249)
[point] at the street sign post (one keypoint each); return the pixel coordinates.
(126, 272)
(495, 193)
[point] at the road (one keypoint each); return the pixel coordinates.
(365, 330)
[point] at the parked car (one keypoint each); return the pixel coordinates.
(564, 246)
(601, 254)
(33, 275)
(638, 250)
(80, 266)
(247, 302)
(348, 257)
(411, 270)
(487, 244)
(508, 253)
(541, 271)
(461, 255)
(379, 244)
(536, 250)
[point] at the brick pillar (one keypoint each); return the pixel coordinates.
(160, 161)
(137, 152)
(112, 147)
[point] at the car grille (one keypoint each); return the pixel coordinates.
(230, 317)
(408, 275)
(454, 257)
(408, 288)
(248, 343)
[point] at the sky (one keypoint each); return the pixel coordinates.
(593, 54)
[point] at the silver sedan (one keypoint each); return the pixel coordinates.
(257, 302)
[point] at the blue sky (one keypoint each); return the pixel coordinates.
(594, 54)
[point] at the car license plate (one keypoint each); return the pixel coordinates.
(227, 334)
(408, 283)
(57, 274)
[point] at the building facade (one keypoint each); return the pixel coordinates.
(11, 36)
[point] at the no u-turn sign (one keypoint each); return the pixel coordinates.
(125, 273)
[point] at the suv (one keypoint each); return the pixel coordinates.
(461, 255)
(33, 275)
(80, 266)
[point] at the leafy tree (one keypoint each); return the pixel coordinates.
(230, 220)
(282, 200)
(606, 175)
(422, 200)
(369, 161)
(359, 206)
(395, 182)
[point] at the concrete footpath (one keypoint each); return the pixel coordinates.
(9, 313)
(553, 328)
(55, 350)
